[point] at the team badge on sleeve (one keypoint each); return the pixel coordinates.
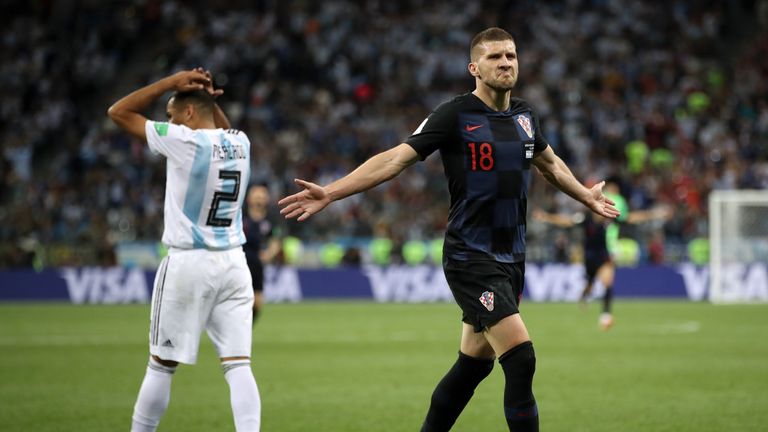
(161, 128)
(487, 300)
(525, 123)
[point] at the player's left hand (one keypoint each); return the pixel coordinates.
(600, 204)
(304, 204)
(209, 84)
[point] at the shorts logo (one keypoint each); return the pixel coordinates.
(168, 344)
(487, 300)
(525, 123)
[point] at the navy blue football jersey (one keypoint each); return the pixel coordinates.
(257, 234)
(487, 157)
(595, 240)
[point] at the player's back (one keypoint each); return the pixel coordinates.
(207, 175)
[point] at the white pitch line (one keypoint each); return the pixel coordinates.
(346, 338)
(64, 340)
(96, 340)
(677, 328)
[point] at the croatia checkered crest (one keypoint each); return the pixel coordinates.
(487, 300)
(525, 123)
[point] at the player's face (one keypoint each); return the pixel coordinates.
(171, 112)
(496, 64)
(176, 115)
(258, 196)
(611, 188)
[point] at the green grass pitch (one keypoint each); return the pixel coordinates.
(665, 366)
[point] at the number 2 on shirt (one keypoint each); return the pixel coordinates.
(485, 157)
(220, 196)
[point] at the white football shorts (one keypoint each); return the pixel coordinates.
(198, 289)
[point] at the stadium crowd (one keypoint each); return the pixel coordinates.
(670, 97)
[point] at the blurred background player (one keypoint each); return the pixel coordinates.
(488, 141)
(204, 282)
(261, 244)
(599, 238)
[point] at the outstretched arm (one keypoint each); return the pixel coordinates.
(557, 173)
(127, 112)
(556, 219)
(641, 216)
(376, 170)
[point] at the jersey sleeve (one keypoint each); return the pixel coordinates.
(434, 132)
(540, 142)
(165, 138)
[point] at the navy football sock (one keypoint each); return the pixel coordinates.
(519, 364)
(607, 299)
(454, 391)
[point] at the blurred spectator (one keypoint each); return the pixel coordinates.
(670, 96)
(656, 248)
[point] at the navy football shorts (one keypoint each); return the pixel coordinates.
(486, 291)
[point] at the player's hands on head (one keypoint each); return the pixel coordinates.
(209, 84)
(190, 80)
(600, 204)
(304, 204)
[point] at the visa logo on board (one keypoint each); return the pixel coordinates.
(111, 285)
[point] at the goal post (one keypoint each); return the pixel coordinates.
(738, 237)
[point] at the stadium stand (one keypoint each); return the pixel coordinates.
(671, 97)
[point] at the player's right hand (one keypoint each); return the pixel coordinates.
(304, 204)
(189, 80)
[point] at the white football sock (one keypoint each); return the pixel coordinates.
(153, 397)
(244, 395)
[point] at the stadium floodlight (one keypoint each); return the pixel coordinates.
(738, 237)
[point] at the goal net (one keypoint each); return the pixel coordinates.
(738, 237)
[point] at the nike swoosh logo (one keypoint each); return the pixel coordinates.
(470, 128)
